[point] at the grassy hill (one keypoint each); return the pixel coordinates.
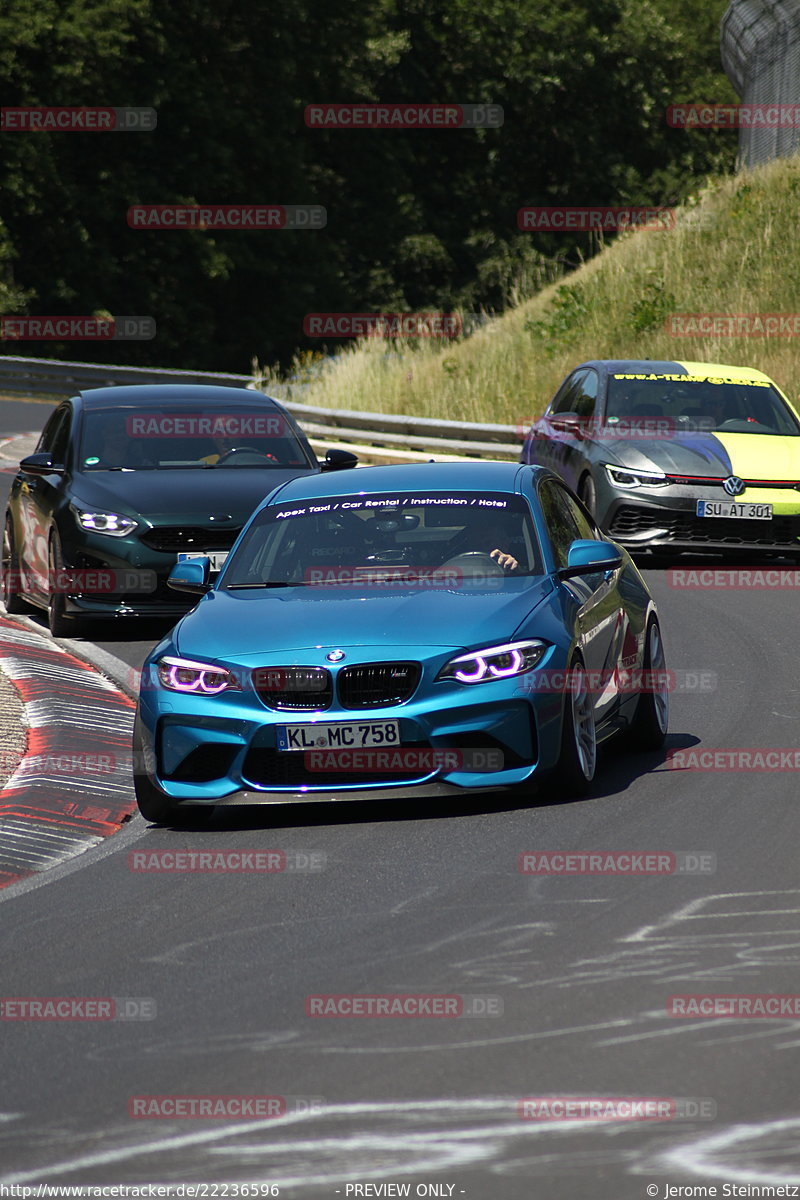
(733, 251)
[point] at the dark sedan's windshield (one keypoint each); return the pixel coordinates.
(694, 403)
(200, 437)
(380, 540)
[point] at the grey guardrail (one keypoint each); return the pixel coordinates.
(393, 432)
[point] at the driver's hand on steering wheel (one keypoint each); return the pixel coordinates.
(506, 561)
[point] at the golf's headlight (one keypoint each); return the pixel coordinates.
(624, 477)
(114, 524)
(183, 675)
(495, 662)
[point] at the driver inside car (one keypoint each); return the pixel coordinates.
(224, 443)
(482, 531)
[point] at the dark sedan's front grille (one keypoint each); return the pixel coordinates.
(294, 687)
(371, 685)
(172, 538)
(280, 768)
(630, 520)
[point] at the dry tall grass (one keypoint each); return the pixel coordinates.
(734, 251)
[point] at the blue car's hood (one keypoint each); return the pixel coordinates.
(227, 625)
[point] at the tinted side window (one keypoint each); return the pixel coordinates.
(561, 523)
(568, 393)
(55, 435)
(586, 528)
(585, 398)
(61, 439)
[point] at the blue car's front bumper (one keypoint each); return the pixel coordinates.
(223, 749)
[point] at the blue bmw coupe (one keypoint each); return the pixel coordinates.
(401, 632)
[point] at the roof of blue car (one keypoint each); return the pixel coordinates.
(412, 477)
(154, 394)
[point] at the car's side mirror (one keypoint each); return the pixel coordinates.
(191, 576)
(585, 557)
(41, 464)
(568, 422)
(338, 460)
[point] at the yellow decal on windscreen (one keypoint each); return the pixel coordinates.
(699, 379)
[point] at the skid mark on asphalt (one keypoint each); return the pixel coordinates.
(343, 1142)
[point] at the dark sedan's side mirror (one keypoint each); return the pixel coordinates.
(585, 557)
(191, 576)
(338, 460)
(41, 464)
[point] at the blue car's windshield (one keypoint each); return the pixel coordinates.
(692, 403)
(200, 436)
(426, 539)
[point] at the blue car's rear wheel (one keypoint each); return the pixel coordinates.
(649, 726)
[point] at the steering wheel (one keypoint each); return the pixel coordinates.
(240, 451)
(466, 560)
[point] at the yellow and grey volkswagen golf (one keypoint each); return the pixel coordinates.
(677, 456)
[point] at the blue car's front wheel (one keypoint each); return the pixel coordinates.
(578, 760)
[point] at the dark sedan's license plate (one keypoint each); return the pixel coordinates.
(322, 736)
(734, 508)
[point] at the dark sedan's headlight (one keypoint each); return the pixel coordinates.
(495, 662)
(111, 523)
(184, 675)
(625, 477)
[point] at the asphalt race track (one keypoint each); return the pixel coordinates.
(574, 972)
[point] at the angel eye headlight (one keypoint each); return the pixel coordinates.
(495, 662)
(183, 675)
(624, 477)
